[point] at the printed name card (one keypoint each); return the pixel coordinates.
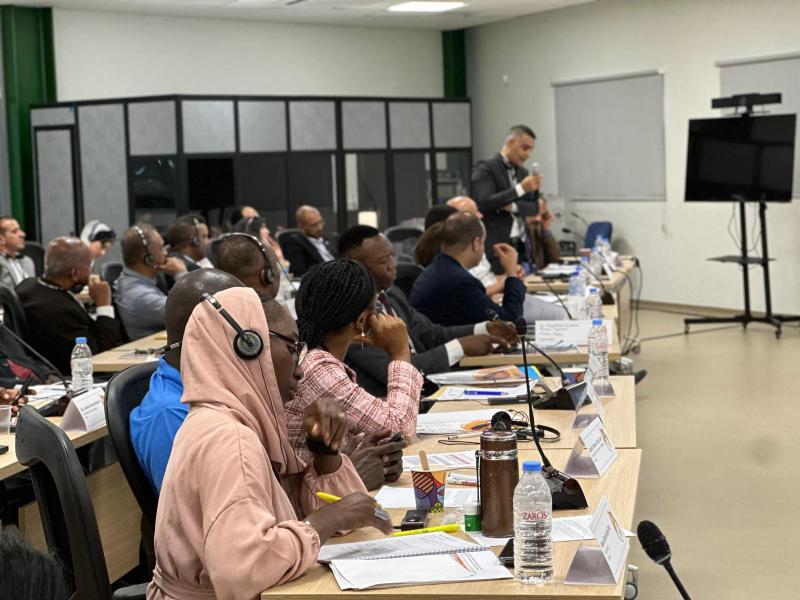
(600, 559)
(575, 333)
(593, 453)
(85, 412)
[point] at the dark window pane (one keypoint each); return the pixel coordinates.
(312, 180)
(365, 177)
(452, 175)
(262, 180)
(210, 183)
(154, 190)
(412, 184)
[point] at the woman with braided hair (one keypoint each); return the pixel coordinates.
(335, 308)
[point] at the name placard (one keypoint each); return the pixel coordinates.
(600, 559)
(593, 453)
(85, 412)
(576, 333)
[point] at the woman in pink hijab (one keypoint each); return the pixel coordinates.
(238, 512)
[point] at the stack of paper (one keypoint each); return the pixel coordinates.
(410, 560)
(450, 423)
(451, 460)
(399, 497)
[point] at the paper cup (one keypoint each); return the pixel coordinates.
(429, 489)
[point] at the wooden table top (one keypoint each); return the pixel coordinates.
(620, 423)
(9, 465)
(619, 485)
(579, 354)
(535, 283)
(122, 357)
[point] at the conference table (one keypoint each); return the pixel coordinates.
(126, 355)
(614, 285)
(576, 354)
(118, 514)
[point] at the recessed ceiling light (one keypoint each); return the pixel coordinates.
(426, 7)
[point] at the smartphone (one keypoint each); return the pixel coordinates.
(507, 554)
(3, 449)
(414, 519)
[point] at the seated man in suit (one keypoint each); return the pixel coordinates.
(14, 267)
(435, 348)
(505, 193)
(139, 298)
(55, 314)
(535, 309)
(188, 241)
(447, 294)
(309, 248)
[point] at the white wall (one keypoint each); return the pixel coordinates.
(104, 54)
(685, 37)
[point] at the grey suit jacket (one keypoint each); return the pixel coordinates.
(6, 276)
(371, 364)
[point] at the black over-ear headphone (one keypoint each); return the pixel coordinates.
(247, 344)
(268, 275)
(196, 235)
(148, 259)
(503, 421)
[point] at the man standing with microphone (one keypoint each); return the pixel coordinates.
(506, 193)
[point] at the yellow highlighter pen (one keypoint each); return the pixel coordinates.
(330, 499)
(446, 528)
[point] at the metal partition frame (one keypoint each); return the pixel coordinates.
(182, 204)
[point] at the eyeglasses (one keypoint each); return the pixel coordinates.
(299, 349)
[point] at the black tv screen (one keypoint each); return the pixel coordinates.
(741, 157)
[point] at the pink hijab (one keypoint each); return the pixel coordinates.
(216, 377)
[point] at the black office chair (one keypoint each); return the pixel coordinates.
(13, 313)
(36, 253)
(110, 271)
(403, 238)
(68, 517)
(125, 392)
(407, 274)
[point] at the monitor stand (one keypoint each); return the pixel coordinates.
(745, 261)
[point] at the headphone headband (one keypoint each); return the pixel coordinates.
(267, 273)
(148, 259)
(247, 343)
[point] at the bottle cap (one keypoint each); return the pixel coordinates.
(80, 340)
(597, 322)
(592, 290)
(584, 259)
(531, 466)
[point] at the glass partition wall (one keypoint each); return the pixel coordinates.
(375, 161)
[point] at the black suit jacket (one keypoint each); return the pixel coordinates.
(371, 364)
(446, 293)
(190, 264)
(301, 254)
(492, 191)
(55, 319)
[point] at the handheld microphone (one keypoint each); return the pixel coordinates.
(656, 547)
(566, 491)
(33, 351)
(535, 170)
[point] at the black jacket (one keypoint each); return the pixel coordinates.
(371, 364)
(301, 254)
(55, 319)
(11, 351)
(446, 293)
(492, 191)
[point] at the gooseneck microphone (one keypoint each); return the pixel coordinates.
(580, 218)
(656, 547)
(33, 351)
(566, 491)
(560, 301)
(522, 326)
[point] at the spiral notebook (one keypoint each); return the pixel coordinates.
(423, 544)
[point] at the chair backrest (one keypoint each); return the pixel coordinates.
(68, 517)
(403, 238)
(597, 229)
(36, 252)
(13, 313)
(125, 392)
(110, 271)
(407, 274)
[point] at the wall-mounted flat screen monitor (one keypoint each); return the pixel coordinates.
(741, 158)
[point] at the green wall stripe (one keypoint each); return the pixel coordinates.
(455, 64)
(30, 78)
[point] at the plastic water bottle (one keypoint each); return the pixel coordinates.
(533, 526)
(81, 364)
(577, 293)
(598, 356)
(594, 304)
(596, 262)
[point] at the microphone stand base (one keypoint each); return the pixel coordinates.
(564, 398)
(566, 491)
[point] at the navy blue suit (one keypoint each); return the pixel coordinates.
(447, 294)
